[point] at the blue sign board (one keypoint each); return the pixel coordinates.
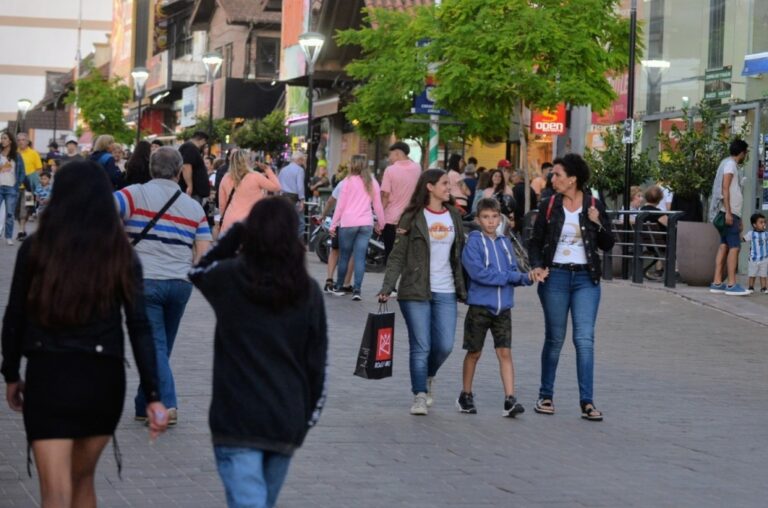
(424, 104)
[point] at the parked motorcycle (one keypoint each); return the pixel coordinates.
(320, 240)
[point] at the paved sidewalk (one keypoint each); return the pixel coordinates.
(682, 387)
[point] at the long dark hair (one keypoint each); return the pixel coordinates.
(501, 185)
(137, 167)
(420, 197)
(454, 163)
(275, 259)
(80, 261)
(13, 148)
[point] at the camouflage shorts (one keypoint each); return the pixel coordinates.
(477, 323)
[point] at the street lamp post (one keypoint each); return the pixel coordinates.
(140, 76)
(629, 129)
(311, 44)
(23, 105)
(57, 90)
(212, 62)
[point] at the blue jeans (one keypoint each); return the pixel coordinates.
(431, 330)
(252, 478)
(565, 291)
(353, 242)
(9, 195)
(165, 301)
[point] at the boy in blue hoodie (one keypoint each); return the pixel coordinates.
(489, 261)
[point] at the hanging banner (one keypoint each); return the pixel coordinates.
(160, 31)
(549, 122)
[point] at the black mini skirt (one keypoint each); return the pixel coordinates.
(72, 395)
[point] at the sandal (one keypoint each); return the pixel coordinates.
(544, 406)
(589, 412)
(328, 285)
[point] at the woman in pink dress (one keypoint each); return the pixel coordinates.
(242, 187)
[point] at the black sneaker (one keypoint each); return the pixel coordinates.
(21, 236)
(466, 403)
(348, 289)
(328, 286)
(512, 407)
(356, 296)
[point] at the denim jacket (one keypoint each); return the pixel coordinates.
(20, 173)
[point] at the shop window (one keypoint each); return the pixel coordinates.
(274, 6)
(267, 56)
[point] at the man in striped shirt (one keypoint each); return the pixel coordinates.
(167, 252)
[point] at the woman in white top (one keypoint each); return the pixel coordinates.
(570, 227)
(11, 177)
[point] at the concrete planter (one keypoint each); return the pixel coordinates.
(697, 244)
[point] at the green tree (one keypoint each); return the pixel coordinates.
(690, 157)
(222, 127)
(101, 101)
(493, 55)
(267, 134)
(607, 164)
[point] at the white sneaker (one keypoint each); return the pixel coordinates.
(419, 406)
(430, 399)
(9, 241)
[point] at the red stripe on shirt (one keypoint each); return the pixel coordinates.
(129, 199)
(166, 216)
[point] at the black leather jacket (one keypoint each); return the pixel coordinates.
(546, 234)
(23, 335)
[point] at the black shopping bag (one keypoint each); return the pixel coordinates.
(374, 361)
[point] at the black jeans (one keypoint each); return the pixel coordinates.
(388, 235)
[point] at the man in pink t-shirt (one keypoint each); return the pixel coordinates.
(397, 186)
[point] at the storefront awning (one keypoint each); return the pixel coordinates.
(755, 64)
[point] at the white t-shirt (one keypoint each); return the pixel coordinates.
(737, 183)
(337, 191)
(570, 247)
(666, 200)
(7, 176)
(441, 237)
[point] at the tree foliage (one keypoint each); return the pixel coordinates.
(492, 54)
(100, 101)
(690, 157)
(222, 127)
(267, 134)
(608, 164)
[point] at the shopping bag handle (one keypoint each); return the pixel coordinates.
(383, 308)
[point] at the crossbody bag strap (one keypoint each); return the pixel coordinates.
(156, 218)
(226, 207)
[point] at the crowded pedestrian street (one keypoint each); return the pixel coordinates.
(680, 383)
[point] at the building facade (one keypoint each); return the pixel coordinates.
(42, 37)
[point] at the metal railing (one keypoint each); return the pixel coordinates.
(641, 244)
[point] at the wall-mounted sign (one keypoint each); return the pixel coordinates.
(717, 83)
(549, 122)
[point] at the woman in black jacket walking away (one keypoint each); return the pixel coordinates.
(65, 315)
(570, 227)
(268, 369)
(137, 167)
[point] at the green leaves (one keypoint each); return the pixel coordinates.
(492, 54)
(222, 127)
(608, 164)
(266, 134)
(101, 105)
(690, 157)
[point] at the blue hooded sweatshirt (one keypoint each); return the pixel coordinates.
(492, 270)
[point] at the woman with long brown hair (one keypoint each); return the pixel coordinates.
(241, 188)
(11, 177)
(354, 221)
(268, 369)
(73, 280)
(427, 262)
